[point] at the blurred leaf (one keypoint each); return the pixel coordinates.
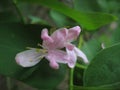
(91, 48)
(115, 86)
(104, 5)
(89, 21)
(14, 38)
(104, 69)
(5, 4)
(105, 87)
(9, 12)
(105, 40)
(37, 20)
(111, 6)
(116, 35)
(8, 16)
(88, 88)
(86, 5)
(78, 76)
(60, 19)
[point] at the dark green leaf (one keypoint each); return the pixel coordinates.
(86, 5)
(14, 38)
(8, 16)
(88, 88)
(9, 12)
(115, 86)
(104, 69)
(90, 21)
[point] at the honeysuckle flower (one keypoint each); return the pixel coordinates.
(52, 46)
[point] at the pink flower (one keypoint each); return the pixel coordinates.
(72, 51)
(52, 46)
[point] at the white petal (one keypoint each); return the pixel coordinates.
(72, 58)
(29, 58)
(81, 54)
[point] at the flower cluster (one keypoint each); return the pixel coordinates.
(52, 49)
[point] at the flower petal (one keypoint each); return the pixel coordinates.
(73, 33)
(72, 58)
(29, 58)
(69, 46)
(54, 64)
(45, 36)
(81, 54)
(47, 40)
(55, 57)
(58, 37)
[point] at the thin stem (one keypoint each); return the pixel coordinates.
(71, 79)
(8, 81)
(81, 41)
(18, 11)
(80, 66)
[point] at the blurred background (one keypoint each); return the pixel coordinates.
(37, 14)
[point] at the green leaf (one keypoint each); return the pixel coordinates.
(86, 5)
(89, 21)
(14, 39)
(61, 20)
(104, 69)
(88, 88)
(115, 86)
(91, 48)
(109, 5)
(116, 35)
(37, 20)
(8, 16)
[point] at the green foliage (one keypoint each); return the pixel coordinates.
(86, 5)
(61, 20)
(116, 36)
(91, 48)
(6, 17)
(35, 20)
(104, 69)
(105, 87)
(7, 12)
(90, 21)
(14, 39)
